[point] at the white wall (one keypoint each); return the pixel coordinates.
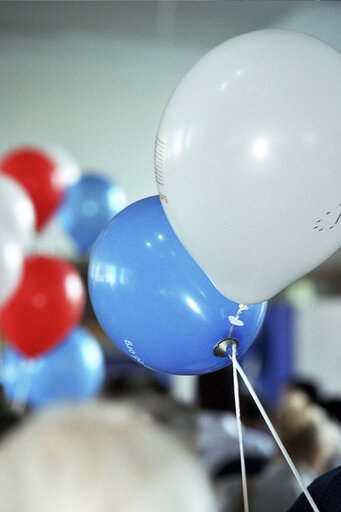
(318, 348)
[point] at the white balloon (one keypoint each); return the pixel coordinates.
(17, 214)
(11, 261)
(248, 161)
(68, 169)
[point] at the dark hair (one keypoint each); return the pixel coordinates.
(8, 417)
(333, 408)
(308, 387)
(215, 390)
(248, 409)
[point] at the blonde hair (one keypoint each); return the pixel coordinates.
(308, 434)
(102, 458)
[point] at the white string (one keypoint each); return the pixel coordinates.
(274, 433)
(239, 428)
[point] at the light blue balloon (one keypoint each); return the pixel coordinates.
(87, 207)
(72, 372)
(153, 300)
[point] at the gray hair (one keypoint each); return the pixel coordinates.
(99, 457)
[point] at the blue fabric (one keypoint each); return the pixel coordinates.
(269, 363)
(326, 492)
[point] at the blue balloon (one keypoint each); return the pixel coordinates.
(153, 300)
(72, 372)
(87, 207)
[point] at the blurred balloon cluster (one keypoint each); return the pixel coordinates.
(87, 207)
(49, 357)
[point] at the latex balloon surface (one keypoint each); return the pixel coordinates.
(46, 306)
(11, 261)
(248, 159)
(17, 213)
(40, 176)
(87, 207)
(73, 371)
(153, 300)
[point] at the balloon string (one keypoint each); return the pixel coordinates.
(239, 428)
(234, 320)
(274, 433)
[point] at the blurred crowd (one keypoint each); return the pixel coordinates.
(137, 448)
(307, 423)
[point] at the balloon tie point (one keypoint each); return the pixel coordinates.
(235, 320)
(224, 347)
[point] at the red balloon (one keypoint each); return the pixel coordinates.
(39, 174)
(47, 305)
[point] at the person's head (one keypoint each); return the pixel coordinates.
(102, 458)
(128, 384)
(307, 433)
(166, 410)
(152, 396)
(306, 386)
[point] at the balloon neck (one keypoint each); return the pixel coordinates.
(224, 347)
